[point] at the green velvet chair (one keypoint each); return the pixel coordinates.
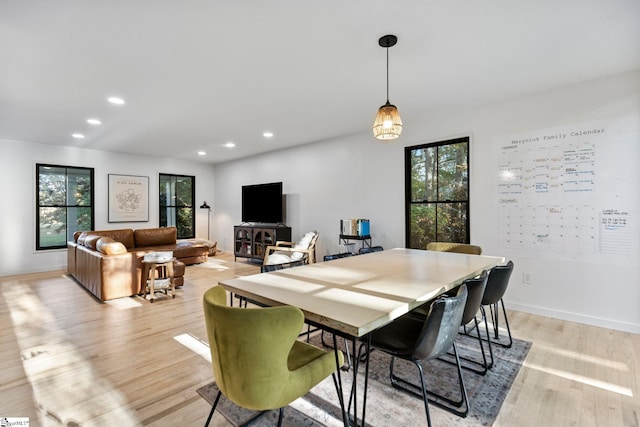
(257, 360)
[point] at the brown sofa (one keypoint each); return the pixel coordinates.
(109, 262)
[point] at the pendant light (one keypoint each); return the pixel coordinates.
(388, 125)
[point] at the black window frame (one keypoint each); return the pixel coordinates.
(66, 206)
(177, 207)
(408, 193)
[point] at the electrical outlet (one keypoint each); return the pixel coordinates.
(527, 278)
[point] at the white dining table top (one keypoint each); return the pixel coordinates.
(358, 294)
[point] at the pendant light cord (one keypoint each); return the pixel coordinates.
(387, 74)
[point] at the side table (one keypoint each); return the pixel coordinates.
(150, 263)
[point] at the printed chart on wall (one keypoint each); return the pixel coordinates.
(570, 192)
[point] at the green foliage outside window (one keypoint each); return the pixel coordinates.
(176, 200)
(438, 193)
(64, 204)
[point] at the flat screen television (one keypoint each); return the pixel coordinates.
(262, 203)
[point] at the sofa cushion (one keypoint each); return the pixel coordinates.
(124, 236)
(108, 246)
(155, 236)
(82, 237)
(91, 240)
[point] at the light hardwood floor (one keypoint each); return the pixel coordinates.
(69, 360)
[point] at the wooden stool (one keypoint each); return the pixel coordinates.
(164, 282)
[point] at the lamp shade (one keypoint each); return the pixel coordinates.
(205, 205)
(388, 125)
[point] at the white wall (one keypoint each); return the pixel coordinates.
(357, 176)
(17, 217)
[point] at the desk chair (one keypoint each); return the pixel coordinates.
(418, 340)
(257, 361)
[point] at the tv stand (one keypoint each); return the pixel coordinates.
(251, 240)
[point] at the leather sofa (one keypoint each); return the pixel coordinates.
(108, 263)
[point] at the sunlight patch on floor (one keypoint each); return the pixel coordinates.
(214, 264)
(607, 363)
(66, 389)
(124, 303)
(582, 379)
(194, 344)
(319, 414)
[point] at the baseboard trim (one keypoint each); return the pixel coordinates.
(44, 269)
(576, 317)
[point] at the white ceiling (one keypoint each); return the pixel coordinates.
(197, 74)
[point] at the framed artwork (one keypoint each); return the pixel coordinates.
(128, 198)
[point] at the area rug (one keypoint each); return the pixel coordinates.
(387, 406)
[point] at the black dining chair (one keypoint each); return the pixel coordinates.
(475, 289)
(367, 250)
(497, 284)
(419, 340)
(337, 256)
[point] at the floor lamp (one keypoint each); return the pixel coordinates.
(208, 208)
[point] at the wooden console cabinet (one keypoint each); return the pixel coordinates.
(251, 241)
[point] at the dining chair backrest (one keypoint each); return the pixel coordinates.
(367, 250)
(475, 289)
(249, 349)
(461, 248)
(497, 283)
(441, 326)
(337, 256)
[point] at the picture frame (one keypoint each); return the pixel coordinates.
(128, 198)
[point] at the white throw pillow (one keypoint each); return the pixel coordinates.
(278, 258)
(304, 242)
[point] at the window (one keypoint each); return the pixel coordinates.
(437, 193)
(64, 204)
(177, 193)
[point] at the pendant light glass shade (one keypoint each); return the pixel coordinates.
(388, 124)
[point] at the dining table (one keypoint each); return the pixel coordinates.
(353, 296)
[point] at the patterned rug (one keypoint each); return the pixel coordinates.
(387, 406)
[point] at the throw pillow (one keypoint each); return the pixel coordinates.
(108, 246)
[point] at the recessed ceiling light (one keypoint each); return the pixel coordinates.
(78, 136)
(268, 134)
(229, 145)
(202, 153)
(116, 100)
(94, 122)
